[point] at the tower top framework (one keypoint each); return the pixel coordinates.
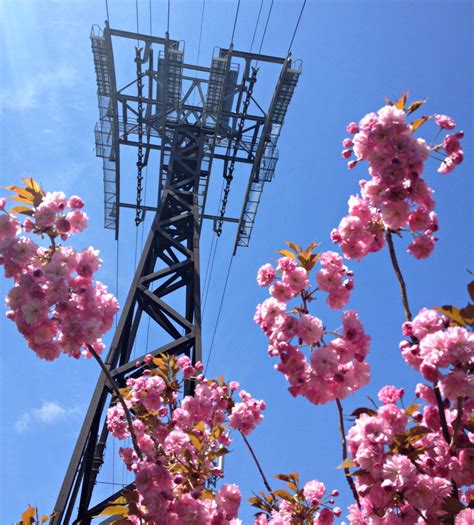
(241, 122)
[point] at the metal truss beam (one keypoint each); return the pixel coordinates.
(170, 262)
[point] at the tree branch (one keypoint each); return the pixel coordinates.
(442, 414)
(457, 423)
(116, 390)
(398, 273)
(347, 472)
(265, 482)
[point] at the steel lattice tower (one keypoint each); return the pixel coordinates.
(157, 111)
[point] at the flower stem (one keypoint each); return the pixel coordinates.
(265, 482)
(347, 472)
(116, 390)
(442, 414)
(398, 273)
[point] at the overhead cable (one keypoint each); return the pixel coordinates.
(266, 26)
(219, 313)
(235, 23)
(296, 28)
(256, 25)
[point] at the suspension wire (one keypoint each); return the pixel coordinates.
(219, 313)
(206, 291)
(296, 28)
(138, 23)
(117, 259)
(235, 22)
(107, 11)
(266, 26)
(208, 260)
(256, 25)
(151, 30)
(200, 32)
(168, 22)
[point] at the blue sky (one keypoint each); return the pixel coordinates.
(354, 53)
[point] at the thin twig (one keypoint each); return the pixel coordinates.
(457, 423)
(265, 482)
(398, 273)
(116, 390)
(442, 414)
(347, 472)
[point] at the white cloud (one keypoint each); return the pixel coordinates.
(48, 413)
(39, 90)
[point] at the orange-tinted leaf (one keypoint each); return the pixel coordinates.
(25, 210)
(419, 122)
(115, 510)
(409, 411)
(415, 105)
(470, 290)
(293, 246)
(283, 494)
(347, 463)
(30, 183)
(363, 410)
(453, 313)
(195, 441)
(467, 313)
(18, 198)
(28, 517)
(287, 253)
(401, 102)
(283, 477)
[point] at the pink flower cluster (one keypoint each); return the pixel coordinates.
(396, 197)
(55, 302)
(406, 468)
(308, 505)
(443, 354)
(335, 368)
(181, 442)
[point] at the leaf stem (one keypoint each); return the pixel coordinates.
(398, 273)
(116, 390)
(265, 482)
(347, 472)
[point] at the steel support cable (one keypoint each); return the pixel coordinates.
(199, 45)
(219, 313)
(168, 22)
(256, 25)
(107, 11)
(296, 28)
(235, 23)
(266, 26)
(151, 30)
(206, 291)
(138, 23)
(208, 261)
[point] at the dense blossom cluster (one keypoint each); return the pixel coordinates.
(443, 354)
(308, 505)
(335, 368)
(396, 197)
(55, 302)
(180, 443)
(407, 471)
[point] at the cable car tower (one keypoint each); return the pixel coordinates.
(192, 117)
